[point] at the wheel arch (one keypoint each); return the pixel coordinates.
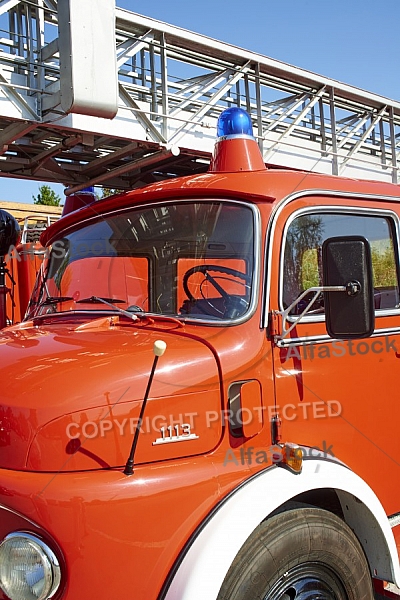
(329, 485)
(358, 516)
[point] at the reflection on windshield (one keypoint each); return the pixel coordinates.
(190, 259)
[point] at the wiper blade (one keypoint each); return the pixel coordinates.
(109, 302)
(99, 300)
(55, 300)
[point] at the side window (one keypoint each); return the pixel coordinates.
(302, 266)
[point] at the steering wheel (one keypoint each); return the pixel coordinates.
(234, 305)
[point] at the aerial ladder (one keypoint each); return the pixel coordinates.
(149, 108)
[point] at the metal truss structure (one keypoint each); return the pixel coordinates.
(173, 85)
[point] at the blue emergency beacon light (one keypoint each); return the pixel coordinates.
(236, 149)
(234, 121)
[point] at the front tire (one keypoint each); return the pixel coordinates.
(300, 554)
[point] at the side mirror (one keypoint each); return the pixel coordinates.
(347, 262)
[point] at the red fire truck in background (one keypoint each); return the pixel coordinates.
(200, 401)
(23, 260)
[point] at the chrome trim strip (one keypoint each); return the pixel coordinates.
(324, 338)
(20, 515)
(383, 312)
(394, 520)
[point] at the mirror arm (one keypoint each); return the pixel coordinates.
(317, 291)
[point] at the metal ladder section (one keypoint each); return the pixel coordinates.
(32, 226)
(173, 84)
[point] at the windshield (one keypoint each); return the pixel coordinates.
(188, 259)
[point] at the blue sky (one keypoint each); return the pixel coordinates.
(353, 41)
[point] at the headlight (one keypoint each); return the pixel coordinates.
(29, 570)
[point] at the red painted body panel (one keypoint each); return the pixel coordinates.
(40, 439)
(75, 386)
(144, 519)
(358, 384)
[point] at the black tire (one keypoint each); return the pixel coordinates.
(299, 554)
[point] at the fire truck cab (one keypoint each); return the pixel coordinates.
(200, 402)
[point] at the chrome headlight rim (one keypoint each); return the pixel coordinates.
(47, 556)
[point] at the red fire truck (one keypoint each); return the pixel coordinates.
(22, 262)
(200, 402)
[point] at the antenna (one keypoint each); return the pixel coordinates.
(159, 348)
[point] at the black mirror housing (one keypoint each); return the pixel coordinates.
(347, 262)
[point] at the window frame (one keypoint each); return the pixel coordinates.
(394, 224)
(226, 200)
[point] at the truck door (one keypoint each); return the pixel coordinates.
(340, 396)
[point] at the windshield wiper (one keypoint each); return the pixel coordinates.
(55, 300)
(134, 312)
(99, 300)
(108, 302)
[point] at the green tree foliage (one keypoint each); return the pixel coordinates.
(47, 196)
(383, 265)
(301, 255)
(310, 276)
(106, 192)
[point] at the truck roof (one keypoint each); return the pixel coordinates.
(268, 186)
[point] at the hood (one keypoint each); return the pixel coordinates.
(71, 395)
